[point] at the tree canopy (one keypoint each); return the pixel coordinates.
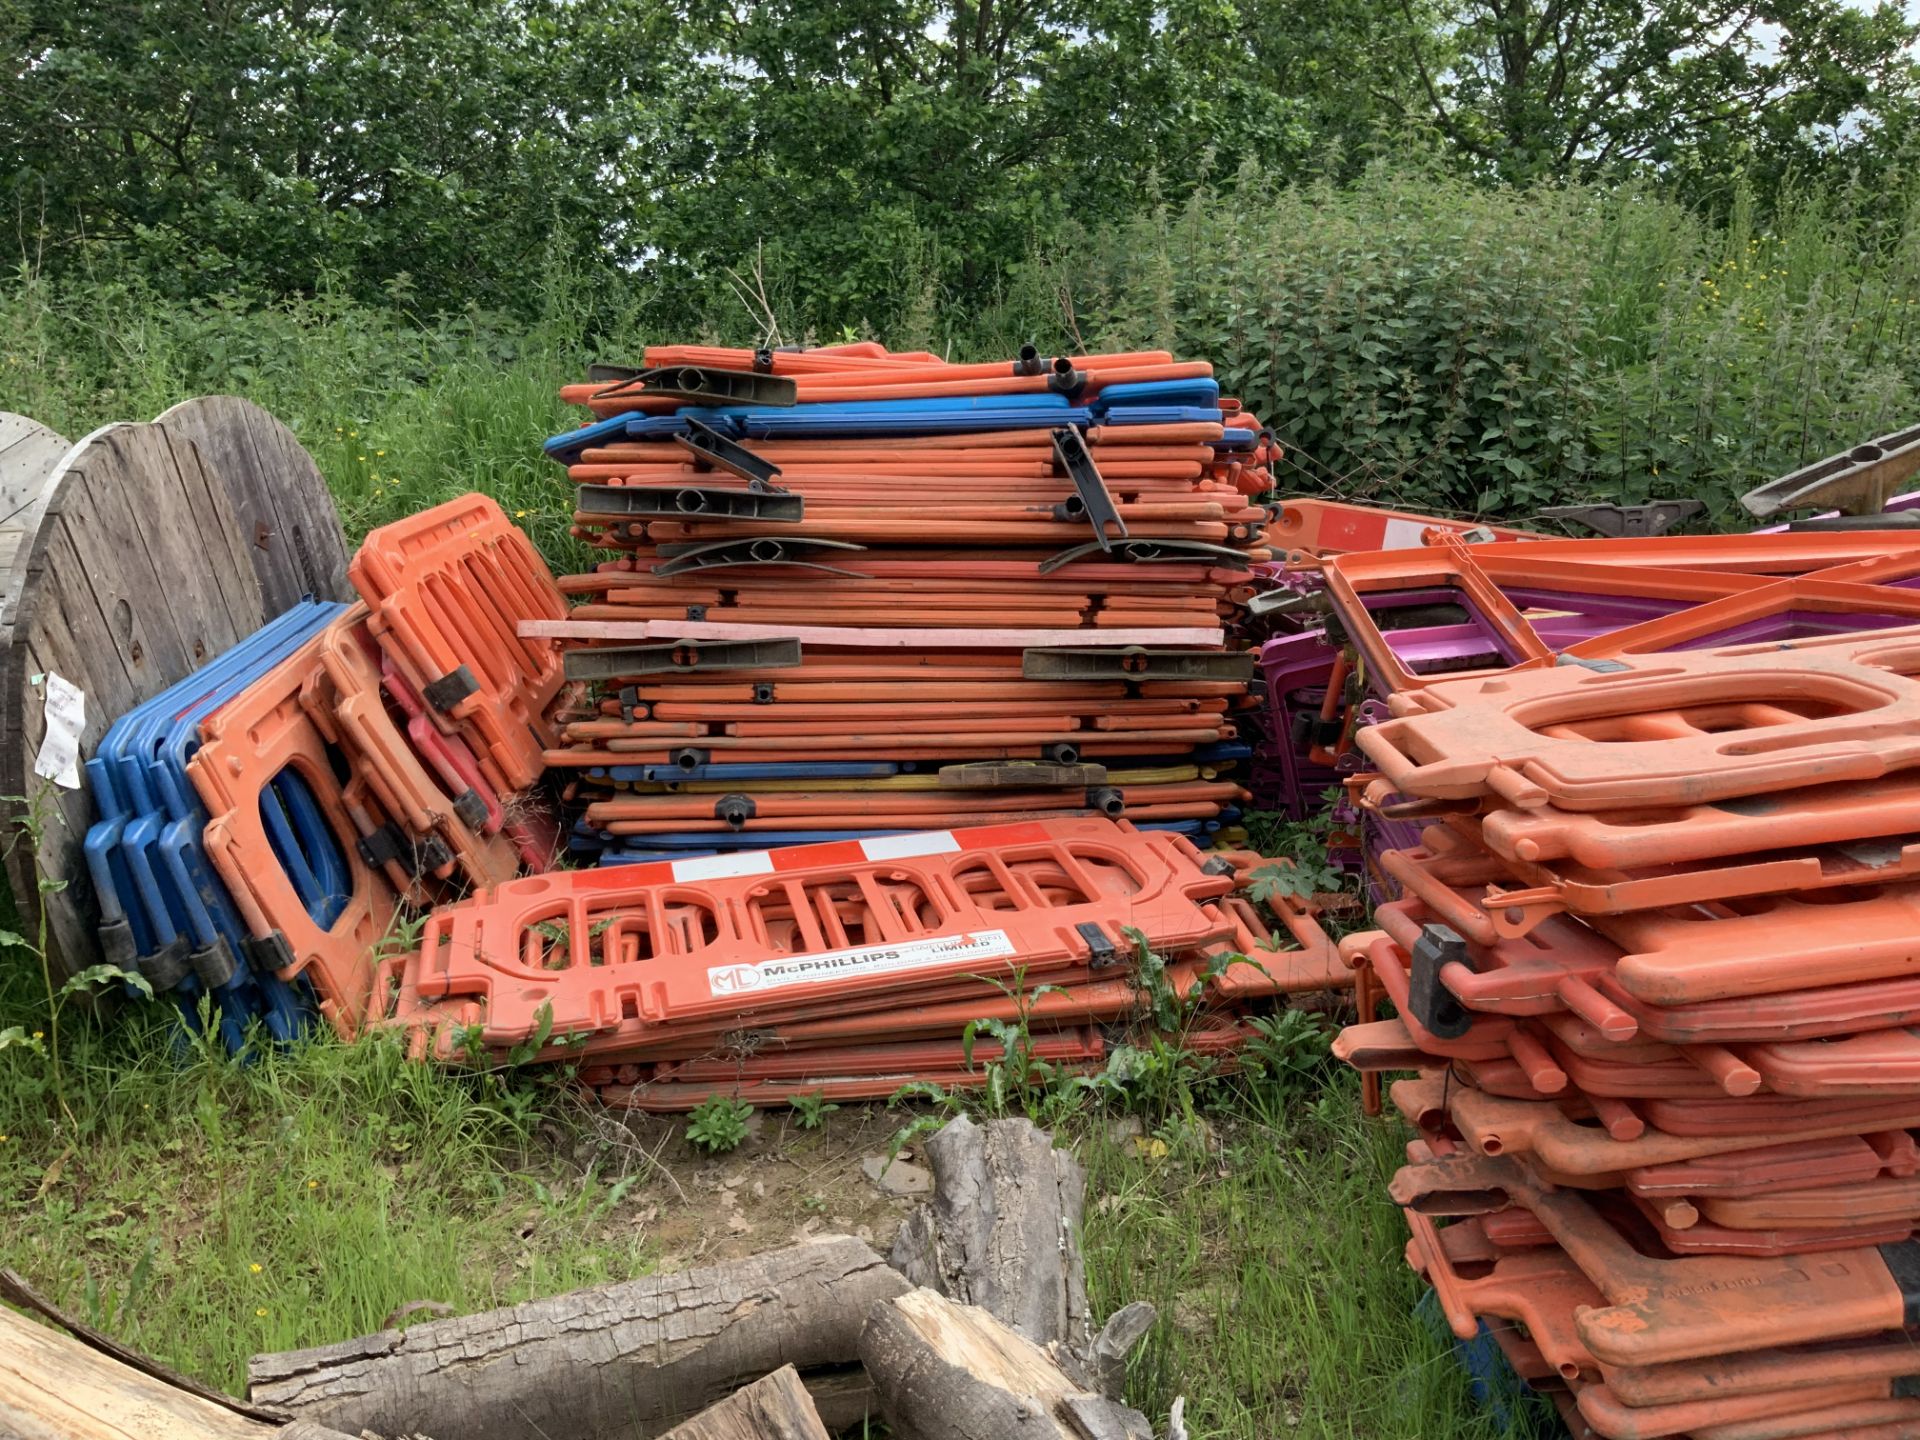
(864, 153)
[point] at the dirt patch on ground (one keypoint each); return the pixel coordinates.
(781, 1186)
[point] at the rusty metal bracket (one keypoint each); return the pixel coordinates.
(706, 385)
(1020, 775)
(1133, 663)
(620, 662)
(680, 501)
(1143, 551)
(1859, 481)
(793, 550)
(1656, 517)
(713, 451)
(1091, 500)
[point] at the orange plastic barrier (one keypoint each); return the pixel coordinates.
(345, 700)
(635, 950)
(1677, 729)
(246, 743)
(447, 590)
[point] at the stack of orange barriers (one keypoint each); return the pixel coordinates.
(859, 593)
(413, 724)
(1656, 963)
(846, 970)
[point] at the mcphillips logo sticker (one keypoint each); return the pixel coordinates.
(862, 960)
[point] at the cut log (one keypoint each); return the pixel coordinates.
(1003, 1229)
(776, 1407)
(624, 1362)
(1003, 1232)
(945, 1371)
(55, 1387)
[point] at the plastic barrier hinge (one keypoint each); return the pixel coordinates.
(1101, 951)
(1903, 1264)
(450, 689)
(1432, 1004)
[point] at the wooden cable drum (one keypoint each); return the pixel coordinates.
(156, 547)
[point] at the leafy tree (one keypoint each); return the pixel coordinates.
(882, 147)
(1529, 88)
(426, 148)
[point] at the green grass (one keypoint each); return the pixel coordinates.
(206, 1210)
(357, 1182)
(1274, 1258)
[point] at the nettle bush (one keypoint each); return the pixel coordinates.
(1414, 339)
(1411, 338)
(1417, 340)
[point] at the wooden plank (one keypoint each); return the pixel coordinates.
(135, 576)
(217, 537)
(284, 515)
(28, 453)
(165, 561)
(300, 491)
(774, 1407)
(863, 639)
(55, 1388)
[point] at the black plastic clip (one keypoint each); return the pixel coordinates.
(385, 846)
(1428, 1000)
(1101, 951)
(1145, 551)
(713, 451)
(471, 810)
(1903, 1267)
(1217, 867)
(216, 964)
(675, 502)
(450, 689)
(618, 662)
(1029, 362)
(706, 385)
(687, 757)
(736, 810)
(1108, 800)
(1065, 380)
(166, 967)
(431, 855)
(116, 943)
(268, 954)
(1094, 503)
(791, 550)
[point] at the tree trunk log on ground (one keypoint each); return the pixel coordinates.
(619, 1362)
(1003, 1228)
(945, 1371)
(775, 1407)
(55, 1387)
(1003, 1232)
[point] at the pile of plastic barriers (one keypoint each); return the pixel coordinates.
(856, 593)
